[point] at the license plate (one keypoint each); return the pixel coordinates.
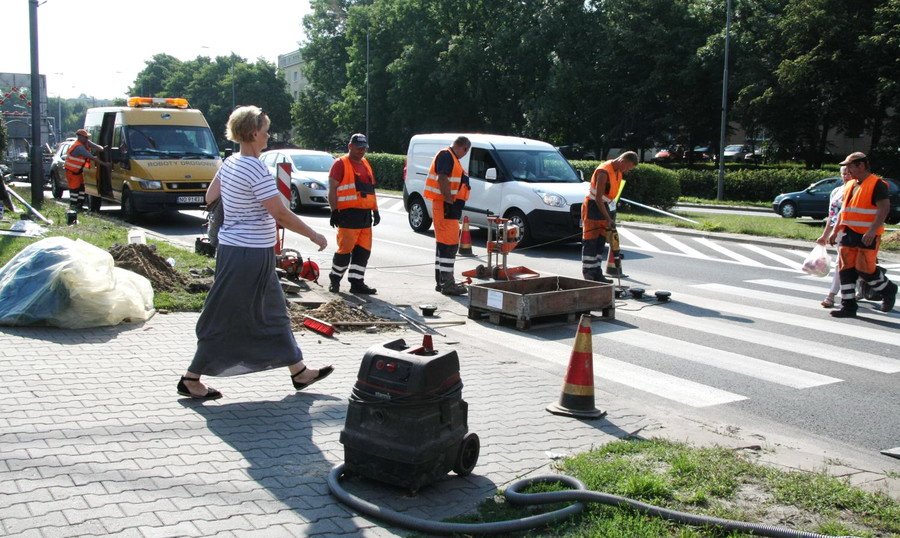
(190, 199)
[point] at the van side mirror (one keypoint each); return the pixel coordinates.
(490, 174)
(228, 152)
(580, 174)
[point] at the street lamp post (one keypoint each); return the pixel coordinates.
(720, 191)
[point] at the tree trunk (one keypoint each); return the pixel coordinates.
(877, 123)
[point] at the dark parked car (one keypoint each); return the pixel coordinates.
(58, 182)
(813, 201)
(700, 153)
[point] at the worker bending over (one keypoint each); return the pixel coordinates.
(598, 213)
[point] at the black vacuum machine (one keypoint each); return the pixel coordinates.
(407, 423)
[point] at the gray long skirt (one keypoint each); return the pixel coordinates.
(244, 326)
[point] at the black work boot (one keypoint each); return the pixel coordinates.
(335, 285)
(848, 310)
(888, 297)
(450, 287)
(360, 287)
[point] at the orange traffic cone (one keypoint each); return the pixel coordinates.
(577, 398)
(465, 239)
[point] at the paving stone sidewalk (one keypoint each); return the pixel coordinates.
(95, 441)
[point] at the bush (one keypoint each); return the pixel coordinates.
(648, 184)
(760, 185)
(388, 169)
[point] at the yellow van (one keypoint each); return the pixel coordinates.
(163, 156)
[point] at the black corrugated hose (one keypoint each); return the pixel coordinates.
(578, 494)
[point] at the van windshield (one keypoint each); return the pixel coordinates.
(537, 166)
(170, 142)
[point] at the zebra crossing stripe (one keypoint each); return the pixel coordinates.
(790, 285)
(607, 369)
(761, 295)
(633, 238)
(681, 247)
(772, 256)
(723, 360)
(805, 322)
(728, 252)
(810, 348)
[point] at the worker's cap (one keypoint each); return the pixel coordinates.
(82, 132)
(854, 157)
(359, 140)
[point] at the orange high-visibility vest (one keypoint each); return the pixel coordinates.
(613, 180)
(351, 195)
(858, 212)
(458, 190)
(74, 166)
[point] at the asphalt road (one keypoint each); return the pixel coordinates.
(743, 339)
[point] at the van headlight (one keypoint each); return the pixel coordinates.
(314, 185)
(551, 198)
(149, 184)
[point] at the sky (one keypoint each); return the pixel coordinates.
(97, 48)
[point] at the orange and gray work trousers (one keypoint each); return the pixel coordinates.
(593, 242)
(354, 246)
(446, 236)
(859, 262)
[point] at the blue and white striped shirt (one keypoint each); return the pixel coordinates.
(246, 183)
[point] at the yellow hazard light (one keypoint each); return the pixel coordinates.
(165, 102)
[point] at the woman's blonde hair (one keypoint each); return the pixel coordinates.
(243, 122)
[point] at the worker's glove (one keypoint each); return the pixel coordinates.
(335, 219)
(376, 218)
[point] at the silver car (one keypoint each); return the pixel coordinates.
(58, 182)
(309, 175)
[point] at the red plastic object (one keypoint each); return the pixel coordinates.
(317, 325)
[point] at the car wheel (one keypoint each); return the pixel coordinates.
(94, 203)
(788, 210)
(129, 213)
(55, 188)
(296, 204)
(417, 214)
(518, 218)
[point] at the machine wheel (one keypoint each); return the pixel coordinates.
(467, 456)
(518, 218)
(296, 204)
(129, 213)
(94, 203)
(417, 214)
(788, 210)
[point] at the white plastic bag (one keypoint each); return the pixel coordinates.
(817, 262)
(70, 284)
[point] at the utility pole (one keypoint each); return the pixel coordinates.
(37, 163)
(720, 192)
(367, 85)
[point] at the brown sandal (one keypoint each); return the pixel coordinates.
(828, 302)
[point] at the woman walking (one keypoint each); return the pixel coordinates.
(244, 326)
(836, 199)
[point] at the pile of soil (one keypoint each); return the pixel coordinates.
(332, 312)
(144, 260)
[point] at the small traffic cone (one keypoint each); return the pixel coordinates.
(465, 239)
(577, 398)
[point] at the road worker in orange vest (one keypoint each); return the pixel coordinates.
(77, 158)
(866, 206)
(354, 210)
(598, 213)
(447, 186)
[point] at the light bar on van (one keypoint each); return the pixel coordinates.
(165, 102)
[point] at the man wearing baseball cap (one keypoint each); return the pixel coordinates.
(354, 210)
(866, 205)
(77, 158)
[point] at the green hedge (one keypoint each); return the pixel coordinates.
(748, 185)
(648, 184)
(388, 169)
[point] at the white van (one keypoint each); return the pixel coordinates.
(527, 181)
(163, 156)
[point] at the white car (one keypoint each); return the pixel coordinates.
(309, 175)
(524, 180)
